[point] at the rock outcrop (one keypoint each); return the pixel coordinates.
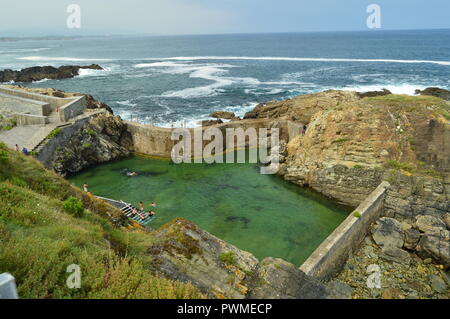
(223, 115)
(437, 92)
(98, 139)
(38, 73)
(184, 252)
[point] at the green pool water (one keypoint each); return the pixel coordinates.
(262, 214)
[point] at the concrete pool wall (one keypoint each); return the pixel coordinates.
(156, 141)
(331, 255)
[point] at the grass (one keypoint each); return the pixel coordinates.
(227, 258)
(55, 132)
(41, 236)
(340, 140)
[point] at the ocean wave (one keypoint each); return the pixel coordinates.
(61, 59)
(23, 50)
(91, 72)
(406, 88)
(295, 59)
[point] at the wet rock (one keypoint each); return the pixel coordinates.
(277, 279)
(437, 283)
(427, 223)
(436, 247)
(38, 73)
(223, 115)
(339, 290)
(395, 254)
(412, 237)
(388, 232)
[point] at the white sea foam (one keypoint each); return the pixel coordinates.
(306, 59)
(23, 50)
(91, 72)
(61, 59)
(406, 88)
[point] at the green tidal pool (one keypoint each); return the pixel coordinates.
(262, 214)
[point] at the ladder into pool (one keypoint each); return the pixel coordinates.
(127, 210)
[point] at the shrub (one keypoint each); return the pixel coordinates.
(357, 214)
(89, 132)
(227, 258)
(54, 133)
(3, 153)
(74, 206)
(401, 165)
(86, 145)
(340, 140)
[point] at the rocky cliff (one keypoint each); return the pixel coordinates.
(38, 73)
(183, 252)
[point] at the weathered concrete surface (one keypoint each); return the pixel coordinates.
(331, 255)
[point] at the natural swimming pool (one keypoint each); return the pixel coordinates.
(262, 214)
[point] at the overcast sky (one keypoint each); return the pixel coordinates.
(46, 17)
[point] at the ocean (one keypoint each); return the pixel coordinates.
(171, 80)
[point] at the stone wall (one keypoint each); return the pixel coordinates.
(53, 101)
(29, 119)
(331, 255)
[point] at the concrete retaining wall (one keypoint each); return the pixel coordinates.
(331, 255)
(22, 105)
(156, 141)
(73, 109)
(29, 119)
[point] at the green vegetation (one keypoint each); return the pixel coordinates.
(408, 167)
(357, 214)
(89, 132)
(86, 145)
(40, 236)
(7, 124)
(55, 132)
(340, 140)
(74, 206)
(227, 258)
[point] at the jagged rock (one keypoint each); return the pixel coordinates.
(388, 232)
(395, 254)
(435, 246)
(38, 73)
(100, 139)
(184, 252)
(223, 115)
(437, 92)
(392, 293)
(446, 220)
(277, 279)
(437, 283)
(339, 290)
(412, 237)
(211, 122)
(426, 223)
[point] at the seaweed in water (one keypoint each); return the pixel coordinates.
(244, 220)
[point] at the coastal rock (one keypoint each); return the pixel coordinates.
(184, 252)
(436, 247)
(211, 122)
(412, 237)
(223, 115)
(446, 220)
(429, 224)
(340, 290)
(388, 232)
(437, 92)
(99, 139)
(437, 283)
(395, 254)
(38, 73)
(277, 279)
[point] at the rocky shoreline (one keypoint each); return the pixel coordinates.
(39, 73)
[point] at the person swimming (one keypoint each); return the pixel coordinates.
(132, 174)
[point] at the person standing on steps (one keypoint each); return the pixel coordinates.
(17, 148)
